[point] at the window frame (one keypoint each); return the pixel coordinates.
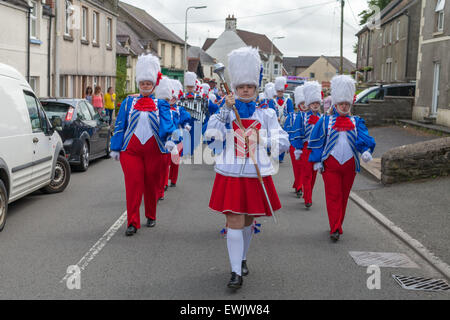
(95, 27)
(34, 20)
(109, 31)
(84, 23)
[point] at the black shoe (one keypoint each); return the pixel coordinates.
(335, 236)
(150, 223)
(166, 187)
(172, 185)
(244, 268)
(161, 199)
(299, 193)
(235, 281)
(308, 205)
(130, 230)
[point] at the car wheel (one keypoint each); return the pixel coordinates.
(3, 205)
(84, 158)
(61, 177)
(108, 148)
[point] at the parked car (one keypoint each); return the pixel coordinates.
(379, 92)
(85, 133)
(32, 155)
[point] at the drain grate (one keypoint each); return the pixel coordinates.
(382, 259)
(419, 283)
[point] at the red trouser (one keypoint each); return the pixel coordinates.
(165, 175)
(296, 166)
(174, 168)
(308, 174)
(142, 166)
(338, 180)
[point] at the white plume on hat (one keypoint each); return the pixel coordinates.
(176, 87)
(189, 79)
(342, 89)
(244, 66)
(164, 90)
(313, 92)
(147, 68)
(280, 83)
(262, 96)
(269, 90)
(298, 95)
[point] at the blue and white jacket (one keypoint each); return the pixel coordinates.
(302, 129)
(324, 137)
(128, 118)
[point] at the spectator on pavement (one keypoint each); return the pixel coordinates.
(88, 95)
(110, 101)
(97, 99)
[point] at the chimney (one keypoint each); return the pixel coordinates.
(230, 23)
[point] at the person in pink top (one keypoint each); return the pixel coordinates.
(97, 99)
(327, 103)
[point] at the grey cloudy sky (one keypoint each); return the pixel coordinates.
(310, 27)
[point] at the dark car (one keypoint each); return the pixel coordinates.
(86, 134)
(379, 92)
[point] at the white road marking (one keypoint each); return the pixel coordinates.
(98, 246)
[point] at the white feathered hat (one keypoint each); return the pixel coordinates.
(262, 96)
(189, 79)
(298, 95)
(205, 88)
(177, 88)
(147, 68)
(280, 83)
(244, 66)
(313, 92)
(269, 90)
(212, 97)
(342, 89)
(164, 90)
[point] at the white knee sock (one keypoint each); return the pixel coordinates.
(235, 244)
(248, 232)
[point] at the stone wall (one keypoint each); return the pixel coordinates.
(416, 161)
(380, 112)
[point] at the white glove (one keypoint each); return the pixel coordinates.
(170, 145)
(188, 127)
(318, 166)
(115, 155)
(366, 156)
(297, 153)
(224, 114)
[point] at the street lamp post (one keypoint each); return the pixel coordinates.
(185, 35)
(273, 58)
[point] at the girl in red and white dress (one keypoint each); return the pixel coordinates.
(237, 192)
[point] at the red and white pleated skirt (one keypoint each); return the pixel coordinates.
(243, 196)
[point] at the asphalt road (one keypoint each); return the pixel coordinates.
(184, 256)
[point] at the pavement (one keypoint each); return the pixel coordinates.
(420, 208)
(184, 256)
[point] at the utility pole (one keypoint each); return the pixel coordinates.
(341, 68)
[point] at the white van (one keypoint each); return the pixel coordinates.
(31, 151)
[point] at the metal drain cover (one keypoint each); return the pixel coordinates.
(382, 259)
(419, 283)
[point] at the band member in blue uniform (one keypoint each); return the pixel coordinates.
(336, 144)
(141, 137)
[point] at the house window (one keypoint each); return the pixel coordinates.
(108, 82)
(33, 20)
(390, 33)
(396, 71)
(95, 23)
(398, 31)
(128, 61)
(95, 81)
(68, 18)
(173, 57)
(108, 32)
(312, 75)
(440, 15)
(62, 86)
(276, 69)
(382, 72)
(384, 36)
(84, 23)
(34, 84)
(163, 54)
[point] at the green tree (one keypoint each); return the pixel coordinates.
(366, 14)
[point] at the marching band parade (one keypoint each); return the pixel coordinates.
(247, 131)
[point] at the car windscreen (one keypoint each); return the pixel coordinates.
(55, 109)
(363, 93)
